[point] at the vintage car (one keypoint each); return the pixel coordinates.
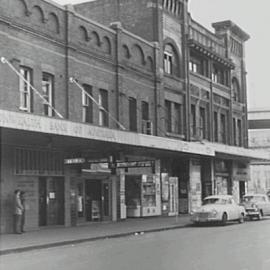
(218, 208)
(256, 205)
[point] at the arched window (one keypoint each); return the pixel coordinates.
(37, 14)
(53, 23)
(236, 90)
(138, 55)
(171, 63)
(83, 35)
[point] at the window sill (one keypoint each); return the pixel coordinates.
(175, 135)
(172, 77)
(203, 77)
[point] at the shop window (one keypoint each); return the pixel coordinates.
(132, 114)
(48, 93)
(171, 65)
(87, 104)
(103, 109)
(168, 116)
(26, 94)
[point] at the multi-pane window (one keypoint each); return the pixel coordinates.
(194, 66)
(219, 75)
(234, 132)
(87, 104)
(168, 62)
(223, 127)
(145, 110)
(236, 90)
(203, 123)
(25, 89)
(198, 65)
(215, 126)
(38, 162)
(193, 120)
(132, 114)
(239, 128)
(103, 102)
(168, 116)
(147, 125)
(171, 64)
(178, 118)
(237, 132)
(48, 94)
(173, 117)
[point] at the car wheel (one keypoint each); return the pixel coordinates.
(259, 217)
(242, 218)
(224, 219)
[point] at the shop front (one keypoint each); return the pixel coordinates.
(223, 185)
(142, 195)
(34, 151)
(94, 199)
(51, 201)
(141, 190)
(169, 195)
(240, 178)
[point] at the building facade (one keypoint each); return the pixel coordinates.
(259, 138)
(115, 109)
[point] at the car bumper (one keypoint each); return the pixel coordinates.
(252, 212)
(198, 219)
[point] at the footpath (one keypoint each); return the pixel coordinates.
(60, 236)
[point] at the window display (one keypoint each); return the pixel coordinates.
(142, 195)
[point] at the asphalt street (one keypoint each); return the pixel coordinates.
(232, 247)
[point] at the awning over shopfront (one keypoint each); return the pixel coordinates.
(251, 154)
(34, 123)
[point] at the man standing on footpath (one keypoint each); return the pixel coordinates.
(23, 211)
(18, 211)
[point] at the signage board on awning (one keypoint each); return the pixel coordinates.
(35, 123)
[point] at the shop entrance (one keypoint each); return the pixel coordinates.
(242, 189)
(51, 201)
(94, 200)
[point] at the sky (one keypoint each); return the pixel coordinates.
(253, 18)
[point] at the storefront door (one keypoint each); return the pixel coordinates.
(242, 189)
(51, 201)
(173, 196)
(97, 200)
(106, 199)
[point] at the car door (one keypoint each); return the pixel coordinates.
(262, 204)
(233, 210)
(267, 206)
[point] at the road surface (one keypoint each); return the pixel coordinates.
(232, 247)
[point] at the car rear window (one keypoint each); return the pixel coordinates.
(214, 201)
(254, 199)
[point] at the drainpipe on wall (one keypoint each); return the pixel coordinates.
(68, 8)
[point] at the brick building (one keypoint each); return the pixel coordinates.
(259, 138)
(160, 123)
